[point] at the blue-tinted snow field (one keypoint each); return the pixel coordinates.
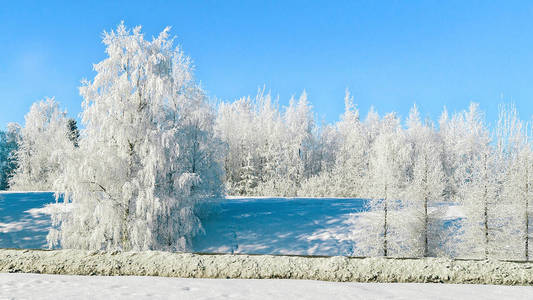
(305, 226)
(238, 225)
(24, 222)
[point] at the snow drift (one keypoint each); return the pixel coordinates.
(155, 263)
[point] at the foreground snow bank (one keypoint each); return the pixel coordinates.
(28, 286)
(155, 263)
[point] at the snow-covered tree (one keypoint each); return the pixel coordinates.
(235, 126)
(474, 179)
(516, 168)
(328, 143)
(351, 165)
(323, 182)
(281, 149)
(44, 140)
(9, 141)
(269, 131)
(388, 161)
(425, 187)
(147, 154)
(299, 141)
(248, 179)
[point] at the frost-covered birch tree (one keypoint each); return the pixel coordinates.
(43, 142)
(383, 226)
(474, 175)
(516, 167)
(147, 155)
(425, 188)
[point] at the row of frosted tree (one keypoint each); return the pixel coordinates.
(457, 188)
(152, 148)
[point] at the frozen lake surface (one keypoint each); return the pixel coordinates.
(305, 226)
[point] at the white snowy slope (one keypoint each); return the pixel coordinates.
(41, 286)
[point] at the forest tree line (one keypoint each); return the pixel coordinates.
(414, 172)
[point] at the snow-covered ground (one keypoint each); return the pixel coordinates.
(42, 286)
(315, 226)
(304, 226)
(256, 225)
(251, 225)
(295, 226)
(24, 219)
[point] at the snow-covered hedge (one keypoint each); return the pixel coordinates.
(155, 263)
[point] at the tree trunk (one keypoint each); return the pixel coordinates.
(526, 229)
(125, 233)
(426, 251)
(486, 209)
(486, 228)
(385, 226)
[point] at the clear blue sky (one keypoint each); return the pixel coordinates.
(390, 54)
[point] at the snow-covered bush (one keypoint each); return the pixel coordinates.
(146, 155)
